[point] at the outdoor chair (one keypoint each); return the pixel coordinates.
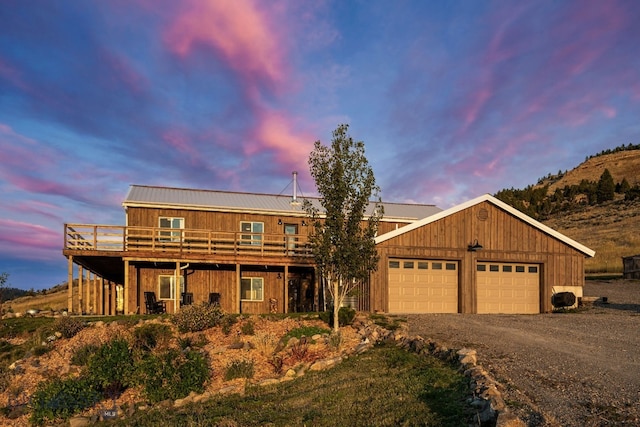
(154, 306)
(214, 298)
(186, 298)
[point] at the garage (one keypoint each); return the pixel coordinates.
(423, 286)
(509, 288)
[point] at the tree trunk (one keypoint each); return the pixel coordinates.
(337, 301)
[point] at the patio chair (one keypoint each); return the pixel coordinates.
(186, 298)
(154, 306)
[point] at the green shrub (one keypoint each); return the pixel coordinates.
(239, 369)
(194, 318)
(68, 326)
(173, 374)
(248, 328)
(40, 349)
(80, 356)
(306, 331)
(61, 398)
(227, 323)
(150, 335)
(346, 315)
(112, 367)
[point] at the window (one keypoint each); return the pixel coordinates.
(481, 267)
(423, 265)
(493, 267)
(251, 289)
(256, 228)
(507, 268)
(394, 264)
(533, 269)
(450, 266)
(167, 288)
(436, 265)
(519, 268)
(174, 223)
(408, 265)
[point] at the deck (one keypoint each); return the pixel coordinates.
(150, 240)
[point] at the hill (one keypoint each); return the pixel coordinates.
(571, 203)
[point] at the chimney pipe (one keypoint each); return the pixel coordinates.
(295, 186)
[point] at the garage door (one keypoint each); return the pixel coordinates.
(508, 288)
(423, 286)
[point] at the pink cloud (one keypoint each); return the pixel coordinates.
(243, 35)
(121, 69)
(275, 132)
(31, 241)
(22, 153)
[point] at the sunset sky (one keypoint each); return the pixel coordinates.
(453, 99)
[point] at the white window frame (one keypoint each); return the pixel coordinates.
(256, 230)
(172, 288)
(175, 223)
(256, 288)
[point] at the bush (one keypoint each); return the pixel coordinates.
(306, 331)
(111, 367)
(61, 398)
(80, 356)
(173, 374)
(265, 343)
(248, 328)
(346, 315)
(68, 326)
(150, 335)
(195, 318)
(227, 323)
(239, 369)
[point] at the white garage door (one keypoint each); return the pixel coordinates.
(423, 286)
(508, 288)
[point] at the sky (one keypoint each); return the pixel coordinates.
(452, 99)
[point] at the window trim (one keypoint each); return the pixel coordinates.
(252, 282)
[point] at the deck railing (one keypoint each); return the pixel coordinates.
(154, 239)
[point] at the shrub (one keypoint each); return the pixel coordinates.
(346, 315)
(150, 335)
(306, 331)
(298, 351)
(111, 367)
(277, 362)
(173, 374)
(248, 328)
(227, 323)
(265, 343)
(335, 340)
(40, 349)
(80, 356)
(68, 326)
(195, 318)
(61, 398)
(239, 369)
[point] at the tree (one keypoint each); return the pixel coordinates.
(342, 243)
(606, 187)
(4, 277)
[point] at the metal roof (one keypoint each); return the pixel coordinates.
(149, 196)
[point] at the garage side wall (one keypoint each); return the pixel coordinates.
(504, 238)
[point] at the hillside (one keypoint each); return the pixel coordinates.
(611, 228)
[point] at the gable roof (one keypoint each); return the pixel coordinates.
(227, 201)
(487, 198)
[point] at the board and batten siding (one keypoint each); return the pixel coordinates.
(504, 237)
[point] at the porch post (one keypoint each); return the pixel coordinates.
(112, 298)
(101, 296)
(88, 299)
(125, 289)
(238, 289)
(286, 289)
(70, 285)
(176, 287)
(80, 289)
(316, 290)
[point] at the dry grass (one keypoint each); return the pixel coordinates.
(51, 301)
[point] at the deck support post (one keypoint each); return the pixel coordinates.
(125, 290)
(286, 289)
(70, 285)
(238, 289)
(80, 289)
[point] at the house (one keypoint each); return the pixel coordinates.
(247, 252)
(250, 253)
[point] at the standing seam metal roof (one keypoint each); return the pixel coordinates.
(140, 195)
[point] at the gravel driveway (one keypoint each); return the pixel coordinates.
(561, 369)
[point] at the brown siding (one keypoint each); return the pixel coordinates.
(503, 236)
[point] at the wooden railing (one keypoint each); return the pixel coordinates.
(154, 239)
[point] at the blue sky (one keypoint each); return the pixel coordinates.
(453, 99)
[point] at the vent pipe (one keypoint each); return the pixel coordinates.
(295, 186)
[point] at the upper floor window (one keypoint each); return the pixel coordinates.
(173, 223)
(255, 228)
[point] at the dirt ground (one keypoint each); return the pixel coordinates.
(579, 368)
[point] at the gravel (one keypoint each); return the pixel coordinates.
(574, 368)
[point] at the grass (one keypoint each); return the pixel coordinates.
(386, 386)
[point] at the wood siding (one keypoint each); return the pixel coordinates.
(504, 238)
